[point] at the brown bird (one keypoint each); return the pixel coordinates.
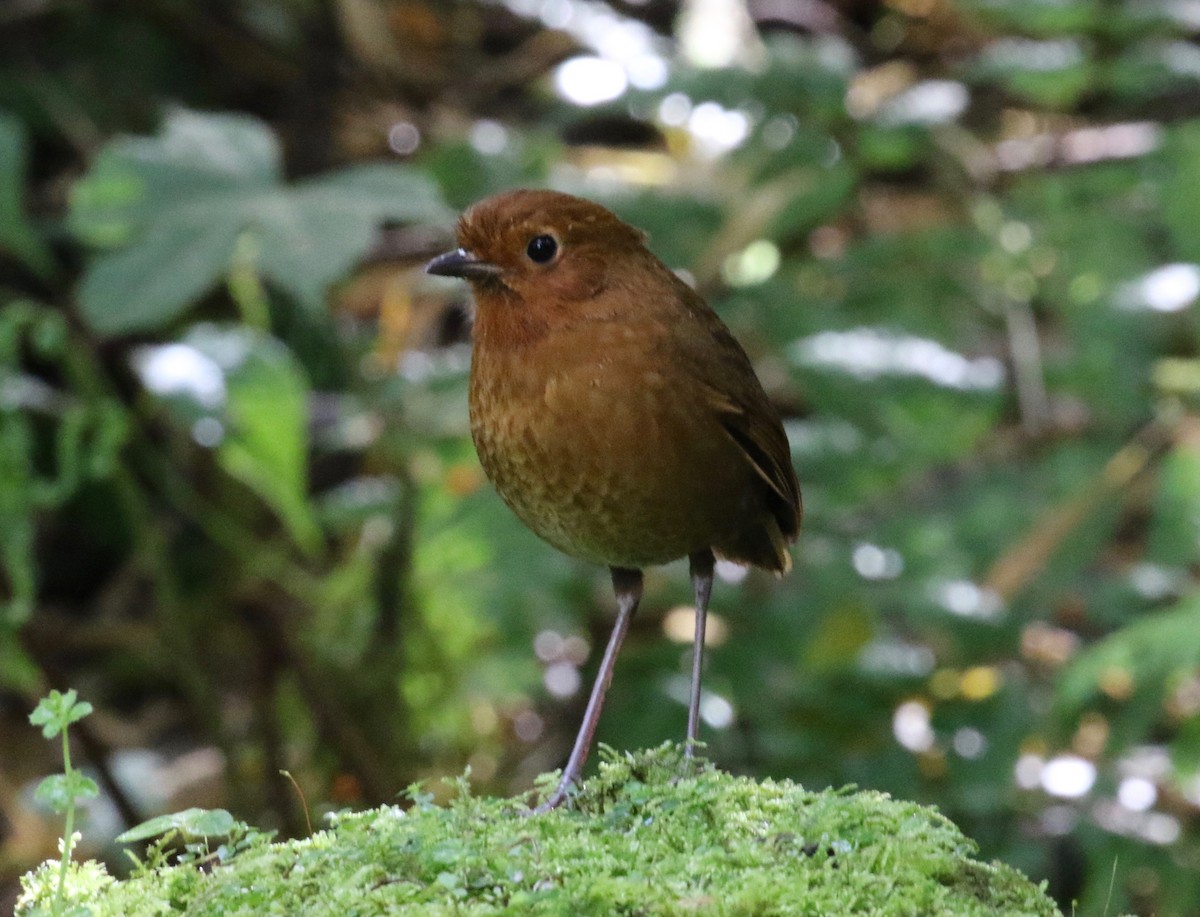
(615, 413)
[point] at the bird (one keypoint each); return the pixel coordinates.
(615, 413)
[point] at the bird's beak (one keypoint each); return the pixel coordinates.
(461, 263)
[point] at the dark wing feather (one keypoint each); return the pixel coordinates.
(783, 490)
(733, 391)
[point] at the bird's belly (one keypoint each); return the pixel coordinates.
(630, 482)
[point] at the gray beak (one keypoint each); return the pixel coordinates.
(461, 263)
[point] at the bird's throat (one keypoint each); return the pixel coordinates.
(503, 324)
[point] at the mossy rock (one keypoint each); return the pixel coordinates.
(637, 839)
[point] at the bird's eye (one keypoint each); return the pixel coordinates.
(542, 249)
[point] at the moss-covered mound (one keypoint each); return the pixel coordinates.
(638, 839)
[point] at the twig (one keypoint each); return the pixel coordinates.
(1024, 560)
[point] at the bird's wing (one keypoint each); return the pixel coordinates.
(732, 390)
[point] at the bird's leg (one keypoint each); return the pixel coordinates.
(702, 577)
(627, 584)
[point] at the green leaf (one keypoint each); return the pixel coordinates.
(1174, 535)
(257, 393)
(18, 672)
(193, 822)
(17, 237)
(57, 711)
(171, 208)
(59, 792)
(317, 232)
(1035, 17)
(892, 148)
(1180, 205)
(1050, 73)
(154, 282)
(813, 196)
(52, 793)
(267, 421)
(194, 159)
(1149, 652)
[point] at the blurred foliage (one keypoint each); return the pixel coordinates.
(239, 507)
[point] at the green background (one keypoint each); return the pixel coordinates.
(240, 511)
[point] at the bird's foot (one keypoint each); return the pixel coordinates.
(690, 765)
(555, 799)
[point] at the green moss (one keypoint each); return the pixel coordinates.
(638, 839)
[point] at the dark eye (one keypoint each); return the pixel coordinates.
(542, 249)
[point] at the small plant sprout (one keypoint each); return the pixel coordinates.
(60, 792)
(198, 830)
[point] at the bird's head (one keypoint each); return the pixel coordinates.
(540, 248)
